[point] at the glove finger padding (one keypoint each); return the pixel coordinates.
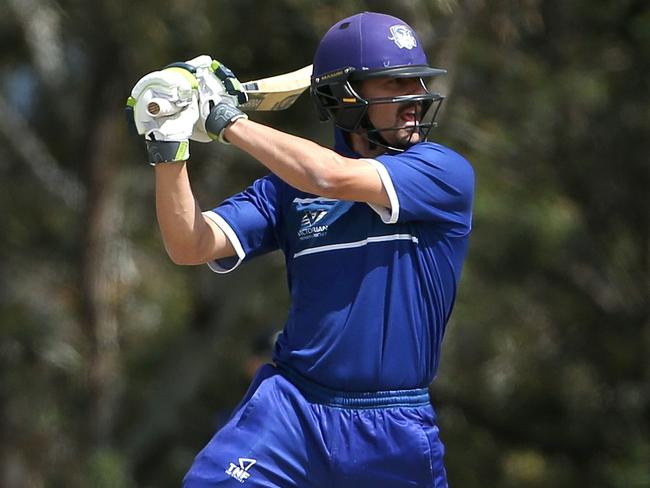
(230, 82)
(165, 105)
(216, 85)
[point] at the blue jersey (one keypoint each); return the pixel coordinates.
(371, 288)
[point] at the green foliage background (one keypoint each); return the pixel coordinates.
(114, 362)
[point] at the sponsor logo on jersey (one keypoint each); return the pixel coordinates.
(314, 215)
(308, 224)
(310, 217)
(240, 472)
(403, 37)
(308, 228)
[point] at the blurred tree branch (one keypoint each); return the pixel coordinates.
(35, 154)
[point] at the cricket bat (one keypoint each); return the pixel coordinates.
(277, 92)
(274, 93)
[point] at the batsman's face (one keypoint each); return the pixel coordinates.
(406, 116)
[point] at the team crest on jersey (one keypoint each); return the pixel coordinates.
(403, 37)
(240, 472)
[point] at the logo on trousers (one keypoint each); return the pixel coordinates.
(240, 473)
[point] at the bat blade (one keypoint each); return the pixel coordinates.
(276, 92)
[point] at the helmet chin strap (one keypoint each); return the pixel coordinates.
(375, 139)
(373, 136)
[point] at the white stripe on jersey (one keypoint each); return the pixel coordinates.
(350, 245)
(388, 215)
(312, 200)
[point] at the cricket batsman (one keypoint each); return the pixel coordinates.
(374, 234)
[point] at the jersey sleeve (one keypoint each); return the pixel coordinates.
(250, 221)
(428, 182)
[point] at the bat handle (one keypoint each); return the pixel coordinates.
(159, 107)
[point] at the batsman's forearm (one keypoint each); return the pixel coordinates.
(303, 164)
(188, 238)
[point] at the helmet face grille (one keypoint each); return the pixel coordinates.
(430, 102)
(339, 101)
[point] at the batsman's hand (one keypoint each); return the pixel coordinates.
(220, 94)
(164, 107)
(196, 99)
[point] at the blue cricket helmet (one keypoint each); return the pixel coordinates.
(364, 46)
(370, 42)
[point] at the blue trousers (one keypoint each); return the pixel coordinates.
(288, 432)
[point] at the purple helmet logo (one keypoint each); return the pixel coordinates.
(403, 37)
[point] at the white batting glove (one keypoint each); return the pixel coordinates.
(211, 91)
(193, 100)
(217, 87)
(165, 108)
